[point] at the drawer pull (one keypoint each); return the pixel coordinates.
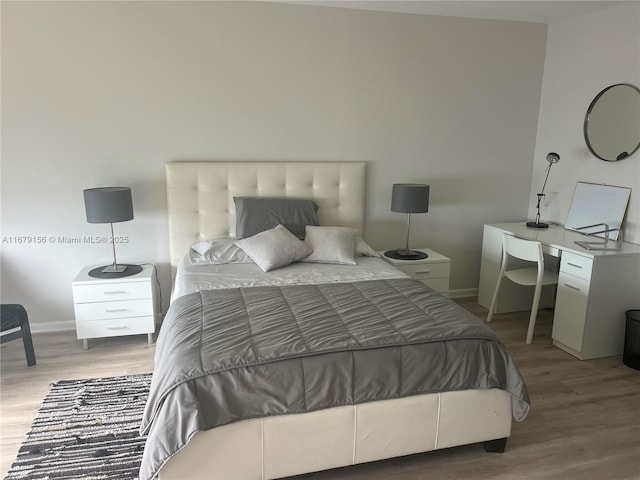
(420, 272)
(123, 327)
(115, 310)
(571, 287)
(115, 292)
(575, 265)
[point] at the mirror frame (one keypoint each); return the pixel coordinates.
(588, 115)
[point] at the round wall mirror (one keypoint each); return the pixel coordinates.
(612, 123)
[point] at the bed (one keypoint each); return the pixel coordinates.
(289, 426)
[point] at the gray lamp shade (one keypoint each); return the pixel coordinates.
(410, 198)
(108, 204)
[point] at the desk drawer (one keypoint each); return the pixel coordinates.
(107, 310)
(576, 265)
(425, 271)
(105, 292)
(114, 328)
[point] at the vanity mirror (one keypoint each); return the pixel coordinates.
(596, 208)
(612, 123)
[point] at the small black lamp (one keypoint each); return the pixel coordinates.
(552, 157)
(110, 205)
(408, 198)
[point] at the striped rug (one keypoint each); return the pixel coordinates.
(86, 429)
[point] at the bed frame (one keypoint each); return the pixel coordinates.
(200, 205)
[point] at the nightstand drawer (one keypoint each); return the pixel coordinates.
(107, 292)
(107, 310)
(438, 284)
(113, 328)
(433, 271)
(425, 271)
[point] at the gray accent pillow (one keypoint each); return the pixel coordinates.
(364, 250)
(331, 245)
(257, 214)
(274, 248)
(217, 252)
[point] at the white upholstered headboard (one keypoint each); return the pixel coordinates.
(200, 195)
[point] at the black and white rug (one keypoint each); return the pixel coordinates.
(86, 429)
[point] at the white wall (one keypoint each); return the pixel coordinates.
(585, 55)
(105, 93)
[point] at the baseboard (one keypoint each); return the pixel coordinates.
(463, 292)
(50, 327)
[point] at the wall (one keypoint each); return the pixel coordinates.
(585, 55)
(105, 93)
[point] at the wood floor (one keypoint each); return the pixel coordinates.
(584, 421)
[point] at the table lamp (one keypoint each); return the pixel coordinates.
(110, 205)
(408, 198)
(552, 158)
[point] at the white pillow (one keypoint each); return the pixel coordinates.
(217, 252)
(364, 250)
(331, 244)
(274, 248)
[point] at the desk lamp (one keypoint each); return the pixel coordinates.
(408, 198)
(110, 205)
(552, 158)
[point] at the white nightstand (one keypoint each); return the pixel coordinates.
(433, 271)
(109, 307)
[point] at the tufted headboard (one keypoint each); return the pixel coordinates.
(200, 195)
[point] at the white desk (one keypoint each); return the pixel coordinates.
(595, 288)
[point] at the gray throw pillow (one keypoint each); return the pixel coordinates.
(331, 245)
(257, 214)
(217, 252)
(274, 248)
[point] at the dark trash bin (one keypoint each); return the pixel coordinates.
(631, 355)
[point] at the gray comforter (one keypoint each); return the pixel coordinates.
(228, 355)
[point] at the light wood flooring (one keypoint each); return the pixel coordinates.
(584, 421)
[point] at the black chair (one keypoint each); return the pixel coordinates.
(14, 316)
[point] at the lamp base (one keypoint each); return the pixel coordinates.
(403, 254)
(114, 268)
(537, 225)
(120, 270)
